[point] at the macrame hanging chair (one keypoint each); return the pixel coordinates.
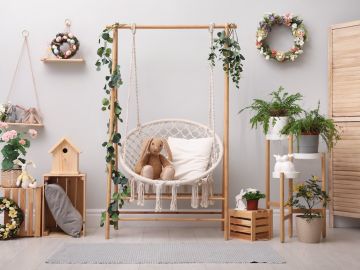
(164, 128)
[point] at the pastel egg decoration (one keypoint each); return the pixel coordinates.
(64, 45)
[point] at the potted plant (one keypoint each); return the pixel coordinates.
(252, 197)
(309, 128)
(273, 115)
(306, 197)
(15, 145)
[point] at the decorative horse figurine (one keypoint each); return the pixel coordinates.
(25, 179)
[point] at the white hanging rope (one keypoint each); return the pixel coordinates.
(25, 47)
(133, 85)
(204, 193)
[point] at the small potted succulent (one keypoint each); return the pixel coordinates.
(252, 197)
(273, 115)
(309, 128)
(306, 197)
(3, 112)
(15, 145)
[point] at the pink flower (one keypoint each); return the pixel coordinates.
(22, 142)
(33, 133)
(3, 125)
(9, 135)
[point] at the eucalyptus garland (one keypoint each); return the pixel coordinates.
(230, 54)
(112, 80)
(10, 229)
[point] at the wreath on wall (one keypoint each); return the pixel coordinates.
(65, 45)
(16, 215)
(298, 31)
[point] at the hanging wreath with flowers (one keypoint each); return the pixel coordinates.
(64, 45)
(298, 31)
(16, 216)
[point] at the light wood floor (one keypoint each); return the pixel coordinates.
(341, 250)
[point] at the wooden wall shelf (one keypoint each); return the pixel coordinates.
(25, 125)
(56, 60)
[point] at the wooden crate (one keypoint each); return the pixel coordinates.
(30, 202)
(75, 188)
(251, 225)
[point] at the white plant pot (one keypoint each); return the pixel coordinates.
(309, 231)
(274, 132)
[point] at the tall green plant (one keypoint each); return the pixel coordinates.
(313, 123)
(281, 104)
(228, 48)
(112, 81)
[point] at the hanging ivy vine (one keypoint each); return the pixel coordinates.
(113, 80)
(229, 53)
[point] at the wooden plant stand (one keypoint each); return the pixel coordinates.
(251, 225)
(30, 202)
(75, 187)
(281, 204)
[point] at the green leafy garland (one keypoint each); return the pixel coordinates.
(230, 54)
(16, 215)
(113, 80)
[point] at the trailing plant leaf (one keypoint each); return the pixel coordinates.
(229, 53)
(281, 104)
(113, 81)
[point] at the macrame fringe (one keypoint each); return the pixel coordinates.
(204, 193)
(158, 187)
(211, 184)
(173, 204)
(140, 191)
(195, 196)
(132, 189)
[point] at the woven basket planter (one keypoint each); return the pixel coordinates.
(8, 178)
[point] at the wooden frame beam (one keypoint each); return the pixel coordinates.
(172, 27)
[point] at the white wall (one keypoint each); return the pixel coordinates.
(172, 68)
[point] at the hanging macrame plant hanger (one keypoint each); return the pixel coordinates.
(18, 115)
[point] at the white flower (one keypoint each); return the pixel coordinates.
(2, 109)
(294, 25)
(58, 39)
(259, 38)
(299, 51)
(251, 190)
(267, 57)
(70, 35)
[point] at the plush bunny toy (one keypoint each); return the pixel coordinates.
(152, 164)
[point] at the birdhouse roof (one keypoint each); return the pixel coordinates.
(68, 142)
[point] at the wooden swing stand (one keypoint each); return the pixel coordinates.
(223, 197)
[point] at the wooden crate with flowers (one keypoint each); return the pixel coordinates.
(22, 199)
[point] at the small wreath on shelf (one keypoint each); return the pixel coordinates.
(60, 50)
(16, 215)
(298, 31)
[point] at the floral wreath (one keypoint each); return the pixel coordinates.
(298, 31)
(16, 215)
(59, 40)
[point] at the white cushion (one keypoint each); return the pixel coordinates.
(190, 157)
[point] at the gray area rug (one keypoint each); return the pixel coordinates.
(165, 253)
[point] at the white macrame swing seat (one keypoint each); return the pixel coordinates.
(165, 128)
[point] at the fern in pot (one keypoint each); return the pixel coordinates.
(308, 128)
(306, 197)
(273, 115)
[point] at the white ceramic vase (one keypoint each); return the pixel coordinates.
(274, 132)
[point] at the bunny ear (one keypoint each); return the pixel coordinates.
(145, 147)
(167, 149)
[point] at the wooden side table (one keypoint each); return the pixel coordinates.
(251, 225)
